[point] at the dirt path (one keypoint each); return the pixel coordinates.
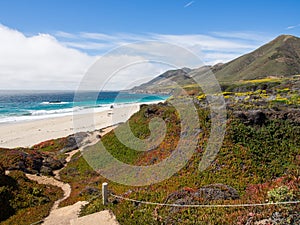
(92, 139)
(64, 215)
(69, 157)
(52, 181)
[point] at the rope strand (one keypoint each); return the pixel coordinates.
(207, 206)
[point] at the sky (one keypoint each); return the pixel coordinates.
(51, 44)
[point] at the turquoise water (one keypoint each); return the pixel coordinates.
(25, 105)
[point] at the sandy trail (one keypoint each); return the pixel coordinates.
(69, 157)
(92, 139)
(64, 215)
(52, 181)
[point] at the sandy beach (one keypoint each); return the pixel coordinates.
(29, 133)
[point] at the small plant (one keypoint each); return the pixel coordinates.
(201, 97)
(280, 194)
(37, 191)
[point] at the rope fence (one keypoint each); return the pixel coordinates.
(207, 206)
(105, 195)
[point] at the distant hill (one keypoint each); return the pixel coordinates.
(165, 81)
(280, 57)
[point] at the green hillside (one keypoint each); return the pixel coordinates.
(278, 58)
(258, 162)
(259, 159)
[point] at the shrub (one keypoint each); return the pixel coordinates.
(280, 194)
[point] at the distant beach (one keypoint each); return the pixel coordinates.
(18, 106)
(28, 133)
(31, 118)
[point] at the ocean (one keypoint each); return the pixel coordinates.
(31, 105)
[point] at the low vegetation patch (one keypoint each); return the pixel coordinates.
(258, 162)
(24, 201)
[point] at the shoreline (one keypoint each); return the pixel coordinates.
(29, 133)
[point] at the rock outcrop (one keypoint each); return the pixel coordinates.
(188, 196)
(259, 117)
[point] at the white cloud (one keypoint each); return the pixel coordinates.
(246, 36)
(226, 44)
(97, 36)
(65, 34)
(138, 73)
(293, 27)
(88, 45)
(213, 58)
(205, 42)
(188, 4)
(39, 62)
(109, 72)
(59, 61)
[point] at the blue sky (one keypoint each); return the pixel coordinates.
(151, 16)
(51, 31)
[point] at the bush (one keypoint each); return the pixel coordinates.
(281, 194)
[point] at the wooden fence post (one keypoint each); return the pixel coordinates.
(104, 193)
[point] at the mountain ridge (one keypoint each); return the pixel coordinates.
(279, 57)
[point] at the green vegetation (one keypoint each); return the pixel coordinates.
(255, 159)
(252, 160)
(24, 201)
(262, 94)
(259, 158)
(269, 60)
(82, 178)
(281, 194)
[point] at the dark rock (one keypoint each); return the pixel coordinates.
(241, 115)
(2, 170)
(31, 171)
(252, 117)
(292, 217)
(22, 166)
(115, 201)
(150, 111)
(74, 141)
(71, 143)
(285, 114)
(63, 161)
(153, 160)
(259, 117)
(90, 191)
(26, 162)
(217, 192)
(52, 163)
(203, 195)
(34, 162)
(72, 171)
(46, 171)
